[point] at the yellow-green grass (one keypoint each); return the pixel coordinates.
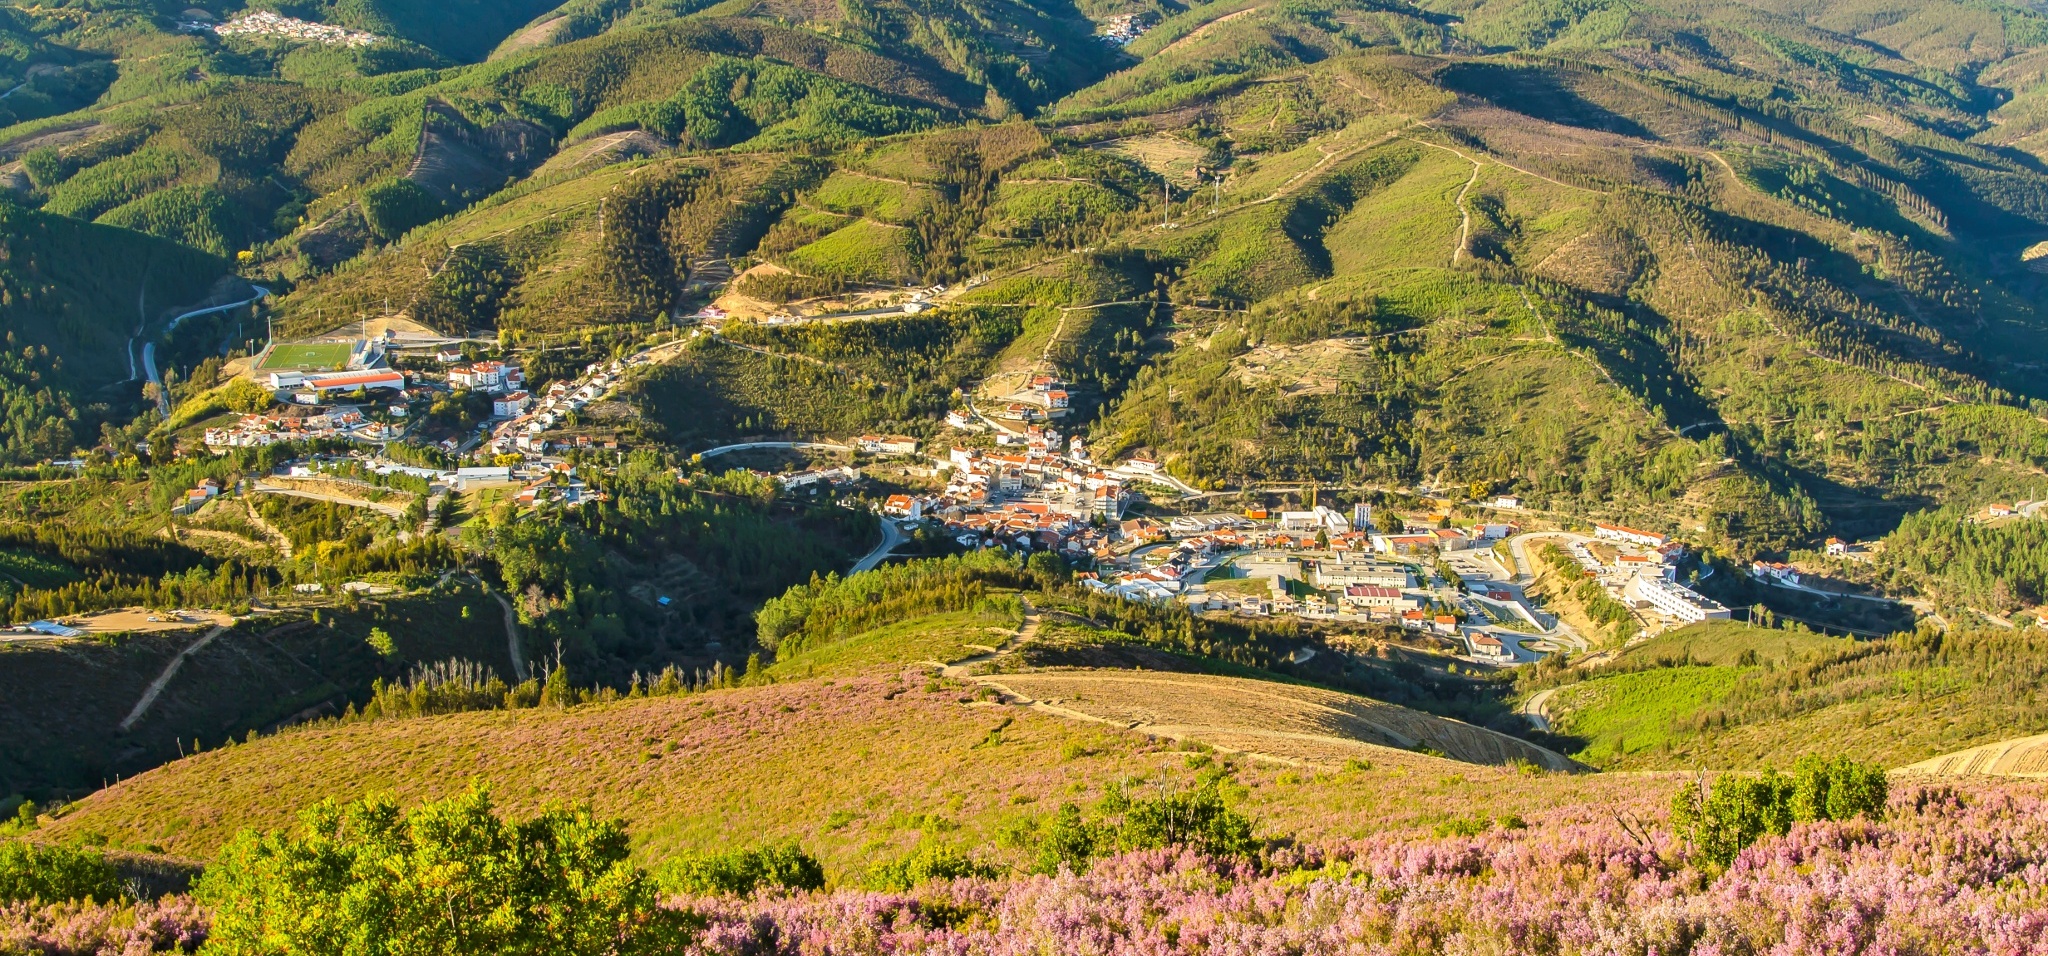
(1293, 170)
(1725, 643)
(1544, 215)
(1413, 221)
(307, 355)
(855, 769)
(940, 638)
(1628, 714)
(866, 251)
(856, 194)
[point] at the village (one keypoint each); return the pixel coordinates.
(1027, 487)
(265, 23)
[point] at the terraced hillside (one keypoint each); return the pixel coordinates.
(1307, 724)
(2021, 757)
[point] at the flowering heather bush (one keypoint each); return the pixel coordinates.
(1948, 871)
(1943, 875)
(175, 923)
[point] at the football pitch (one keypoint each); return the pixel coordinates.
(321, 355)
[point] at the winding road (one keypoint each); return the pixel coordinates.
(891, 537)
(512, 649)
(1533, 709)
(163, 400)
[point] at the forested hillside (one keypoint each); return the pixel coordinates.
(1454, 225)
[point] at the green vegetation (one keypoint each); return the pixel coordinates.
(31, 872)
(370, 876)
(1718, 823)
(1198, 818)
(1733, 696)
(324, 356)
(1948, 554)
(741, 872)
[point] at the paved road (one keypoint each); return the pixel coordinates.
(163, 400)
(1534, 710)
(801, 445)
(891, 537)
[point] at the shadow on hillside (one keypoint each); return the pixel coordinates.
(1537, 92)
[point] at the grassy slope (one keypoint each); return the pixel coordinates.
(80, 289)
(855, 768)
(1893, 710)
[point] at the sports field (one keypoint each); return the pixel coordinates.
(323, 355)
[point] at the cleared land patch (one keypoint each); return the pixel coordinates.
(1292, 722)
(2024, 757)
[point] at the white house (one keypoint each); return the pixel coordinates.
(1774, 571)
(1616, 532)
(511, 405)
(1371, 596)
(1486, 647)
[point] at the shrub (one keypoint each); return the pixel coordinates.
(50, 874)
(448, 877)
(245, 396)
(741, 872)
(1198, 818)
(930, 861)
(45, 167)
(1739, 810)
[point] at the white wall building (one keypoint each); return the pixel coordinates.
(1676, 600)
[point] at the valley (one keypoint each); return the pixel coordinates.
(627, 476)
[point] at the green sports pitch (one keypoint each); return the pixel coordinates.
(320, 355)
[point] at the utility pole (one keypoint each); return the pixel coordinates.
(1166, 214)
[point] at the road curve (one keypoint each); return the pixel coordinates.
(163, 401)
(891, 537)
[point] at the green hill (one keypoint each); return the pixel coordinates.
(72, 294)
(1725, 696)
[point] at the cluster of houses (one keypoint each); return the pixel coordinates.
(527, 420)
(264, 23)
(1647, 575)
(1031, 496)
(1040, 472)
(1123, 28)
(289, 424)
(1044, 398)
